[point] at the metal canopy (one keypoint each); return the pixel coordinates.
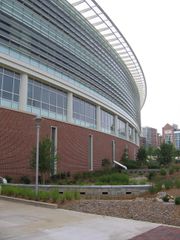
(100, 20)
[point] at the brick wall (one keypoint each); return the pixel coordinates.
(18, 136)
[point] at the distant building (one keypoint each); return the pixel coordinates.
(171, 134)
(150, 134)
(177, 139)
(168, 133)
(159, 139)
(142, 141)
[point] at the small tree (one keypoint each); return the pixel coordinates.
(151, 152)
(46, 158)
(166, 153)
(177, 153)
(125, 155)
(141, 155)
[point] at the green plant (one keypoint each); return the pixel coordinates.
(177, 183)
(131, 164)
(166, 198)
(55, 196)
(156, 187)
(151, 175)
(46, 158)
(25, 180)
(153, 164)
(69, 196)
(9, 179)
(163, 172)
(106, 163)
(141, 155)
(166, 153)
(171, 170)
(113, 178)
(44, 196)
(177, 200)
(168, 184)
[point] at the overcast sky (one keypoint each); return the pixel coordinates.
(152, 28)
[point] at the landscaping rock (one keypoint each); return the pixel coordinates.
(146, 210)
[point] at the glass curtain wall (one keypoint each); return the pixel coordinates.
(46, 101)
(9, 88)
(84, 113)
(107, 122)
(121, 127)
(130, 133)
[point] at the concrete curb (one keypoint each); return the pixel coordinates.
(29, 202)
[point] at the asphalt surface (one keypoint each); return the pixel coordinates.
(22, 221)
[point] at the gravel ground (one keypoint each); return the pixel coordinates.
(140, 208)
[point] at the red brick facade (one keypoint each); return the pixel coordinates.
(18, 136)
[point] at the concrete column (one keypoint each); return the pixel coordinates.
(98, 118)
(116, 125)
(137, 140)
(113, 150)
(23, 90)
(90, 155)
(70, 107)
(134, 135)
(127, 131)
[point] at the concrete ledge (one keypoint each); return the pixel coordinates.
(30, 202)
(94, 190)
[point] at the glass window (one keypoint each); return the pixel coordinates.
(16, 86)
(45, 95)
(50, 101)
(82, 114)
(107, 122)
(8, 72)
(8, 83)
(52, 98)
(0, 80)
(37, 93)
(9, 88)
(130, 133)
(7, 95)
(121, 128)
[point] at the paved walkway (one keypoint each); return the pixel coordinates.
(19, 221)
(160, 233)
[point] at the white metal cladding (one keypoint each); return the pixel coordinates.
(100, 20)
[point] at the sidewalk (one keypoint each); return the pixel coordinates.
(19, 221)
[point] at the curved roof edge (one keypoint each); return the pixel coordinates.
(100, 20)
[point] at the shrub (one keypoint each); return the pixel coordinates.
(131, 164)
(177, 183)
(70, 196)
(55, 177)
(156, 188)
(106, 163)
(171, 170)
(55, 196)
(153, 164)
(151, 175)
(25, 180)
(165, 198)
(163, 172)
(9, 179)
(44, 196)
(168, 184)
(113, 178)
(177, 200)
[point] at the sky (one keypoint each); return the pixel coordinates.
(152, 28)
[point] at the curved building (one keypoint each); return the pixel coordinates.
(66, 61)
